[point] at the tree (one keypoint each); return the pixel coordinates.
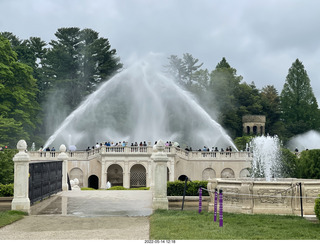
(7, 166)
(18, 93)
(77, 62)
(298, 104)
(309, 164)
(224, 85)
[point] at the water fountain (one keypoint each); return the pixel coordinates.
(308, 140)
(266, 157)
(265, 191)
(140, 104)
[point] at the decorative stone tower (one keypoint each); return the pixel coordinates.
(159, 186)
(254, 124)
(21, 160)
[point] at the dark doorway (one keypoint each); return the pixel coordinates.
(182, 177)
(93, 182)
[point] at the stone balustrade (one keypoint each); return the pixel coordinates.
(136, 150)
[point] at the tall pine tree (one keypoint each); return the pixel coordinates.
(298, 104)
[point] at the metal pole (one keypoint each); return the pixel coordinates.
(301, 199)
(184, 192)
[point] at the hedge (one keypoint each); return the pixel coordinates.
(317, 207)
(176, 188)
(6, 190)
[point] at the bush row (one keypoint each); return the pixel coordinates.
(176, 188)
(6, 190)
(317, 207)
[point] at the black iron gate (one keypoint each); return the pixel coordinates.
(45, 179)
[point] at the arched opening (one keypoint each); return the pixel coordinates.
(182, 177)
(93, 182)
(244, 173)
(77, 173)
(137, 176)
(255, 130)
(227, 173)
(115, 175)
(248, 130)
(208, 173)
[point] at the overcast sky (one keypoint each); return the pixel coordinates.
(260, 39)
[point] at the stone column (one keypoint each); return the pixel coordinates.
(21, 160)
(160, 159)
(64, 158)
(246, 190)
(103, 176)
(126, 175)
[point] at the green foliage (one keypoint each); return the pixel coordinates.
(176, 188)
(6, 190)
(298, 104)
(242, 142)
(18, 97)
(7, 166)
(308, 166)
(289, 163)
(317, 207)
(117, 188)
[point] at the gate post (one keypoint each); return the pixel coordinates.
(160, 159)
(21, 161)
(64, 157)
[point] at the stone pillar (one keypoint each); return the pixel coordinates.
(247, 199)
(160, 159)
(126, 175)
(103, 176)
(64, 158)
(21, 161)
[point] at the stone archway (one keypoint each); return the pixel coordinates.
(244, 173)
(76, 173)
(93, 182)
(115, 175)
(138, 176)
(227, 173)
(182, 177)
(208, 173)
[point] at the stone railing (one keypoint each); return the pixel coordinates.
(274, 197)
(137, 150)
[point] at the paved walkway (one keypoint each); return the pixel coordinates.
(86, 215)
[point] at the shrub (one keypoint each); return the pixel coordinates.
(117, 188)
(6, 190)
(317, 207)
(176, 188)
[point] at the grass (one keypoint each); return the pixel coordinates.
(190, 225)
(10, 216)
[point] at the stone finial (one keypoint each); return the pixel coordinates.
(160, 146)
(63, 148)
(22, 146)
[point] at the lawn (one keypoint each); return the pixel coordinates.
(190, 225)
(8, 217)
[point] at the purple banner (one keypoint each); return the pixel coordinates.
(220, 209)
(215, 205)
(200, 200)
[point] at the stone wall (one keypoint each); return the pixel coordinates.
(275, 197)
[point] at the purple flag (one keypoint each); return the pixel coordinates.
(220, 209)
(200, 199)
(215, 205)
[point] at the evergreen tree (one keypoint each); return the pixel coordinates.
(298, 104)
(18, 97)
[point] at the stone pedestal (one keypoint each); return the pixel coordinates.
(64, 157)
(21, 160)
(160, 159)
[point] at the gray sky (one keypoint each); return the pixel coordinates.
(260, 39)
